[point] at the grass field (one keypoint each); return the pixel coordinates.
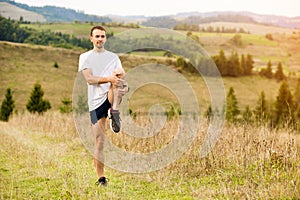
(24, 65)
(43, 157)
(76, 29)
(48, 161)
(282, 48)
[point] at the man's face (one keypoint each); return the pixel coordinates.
(98, 38)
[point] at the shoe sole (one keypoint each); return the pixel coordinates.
(110, 121)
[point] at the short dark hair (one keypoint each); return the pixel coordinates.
(97, 27)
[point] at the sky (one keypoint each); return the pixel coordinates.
(289, 8)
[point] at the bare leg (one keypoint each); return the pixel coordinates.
(116, 93)
(98, 130)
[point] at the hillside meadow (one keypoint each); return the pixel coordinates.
(43, 157)
(284, 46)
(49, 161)
(23, 65)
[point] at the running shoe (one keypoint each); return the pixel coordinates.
(114, 116)
(102, 181)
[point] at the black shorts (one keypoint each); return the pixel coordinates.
(100, 112)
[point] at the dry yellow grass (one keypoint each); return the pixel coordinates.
(43, 158)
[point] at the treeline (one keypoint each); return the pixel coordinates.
(208, 29)
(234, 65)
(268, 72)
(120, 24)
(11, 31)
(284, 112)
(193, 21)
(218, 18)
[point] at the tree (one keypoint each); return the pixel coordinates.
(7, 106)
(221, 62)
(261, 108)
(284, 105)
(67, 106)
(209, 112)
(242, 68)
(82, 105)
(279, 75)
(236, 40)
(247, 115)
(35, 102)
(233, 65)
(248, 65)
(269, 36)
(231, 106)
(268, 71)
(55, 64)
(297, 99)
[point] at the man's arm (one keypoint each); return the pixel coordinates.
(92, 80)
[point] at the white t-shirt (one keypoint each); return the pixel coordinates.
(102, 64)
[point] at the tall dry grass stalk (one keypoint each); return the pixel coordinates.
(50, 123)
(247, 162)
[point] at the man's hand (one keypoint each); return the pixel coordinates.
(114, 80)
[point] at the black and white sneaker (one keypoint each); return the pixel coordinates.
(102, 181)
(115, 123)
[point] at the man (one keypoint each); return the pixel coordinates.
(104, 75)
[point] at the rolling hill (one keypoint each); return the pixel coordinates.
(16, 10)
(8, 10)
(23, 65)
(59, 14)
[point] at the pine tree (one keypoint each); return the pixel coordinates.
(260, 111)
(7, 106)
(231, 106)
(82, 105)
(247, 115)
(279, 75)
(242, 69)
(248, 65)
(221, 63)
(233, 65)
(67, 106)
(284, 105)
(297, 99)
(35, 102)
(268, 71)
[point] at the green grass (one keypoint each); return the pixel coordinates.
(76, 29)
(150, 53)
(24, 65)
(258, 40)
(48, 161)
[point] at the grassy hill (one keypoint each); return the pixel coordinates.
(283, 47)
(14, 10)
(253, 28)
(8, 10)
(42, 156)
(24, 65)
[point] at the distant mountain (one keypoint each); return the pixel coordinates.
(208, 17)
(282, 21)
(11, 11)
(52, 13)
(59, 14)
